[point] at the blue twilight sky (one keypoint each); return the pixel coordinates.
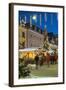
(41, 19)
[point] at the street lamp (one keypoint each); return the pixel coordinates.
(34, 17)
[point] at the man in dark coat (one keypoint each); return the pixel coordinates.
(37, 61)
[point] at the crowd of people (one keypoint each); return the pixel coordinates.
(41, 59)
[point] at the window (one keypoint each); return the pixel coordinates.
(23, 34)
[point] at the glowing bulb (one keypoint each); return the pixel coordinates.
(34, 17)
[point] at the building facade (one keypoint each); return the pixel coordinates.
(29, 38)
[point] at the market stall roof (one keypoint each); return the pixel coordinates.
(54, 46)
(51, 51)
(29, 49)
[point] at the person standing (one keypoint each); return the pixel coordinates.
(48, 59)
(37, 61)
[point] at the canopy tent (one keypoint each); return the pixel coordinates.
(28, 49)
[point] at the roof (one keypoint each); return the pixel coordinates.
(28, 49)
